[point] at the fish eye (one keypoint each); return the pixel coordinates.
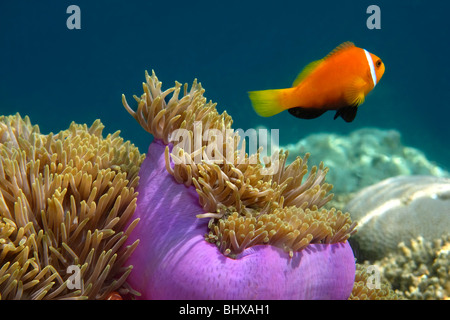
(378, 63)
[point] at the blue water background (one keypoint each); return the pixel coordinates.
(56, 75)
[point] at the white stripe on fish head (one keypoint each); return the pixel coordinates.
(372, 67)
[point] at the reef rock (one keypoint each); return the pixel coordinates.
(364, 157)
(397, 210)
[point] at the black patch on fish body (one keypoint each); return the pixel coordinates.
(306, 113)
(346, 113)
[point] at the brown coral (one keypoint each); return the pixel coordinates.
(65, 200)
(420, 269)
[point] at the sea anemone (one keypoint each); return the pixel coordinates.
(216, 223)
(65, 203)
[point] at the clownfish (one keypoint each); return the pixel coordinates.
(340, 82)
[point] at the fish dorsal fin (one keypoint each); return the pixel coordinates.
(343, 46)
(313, 65)
(306, 72)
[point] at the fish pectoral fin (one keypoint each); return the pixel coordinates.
(347, 113)
(354, 94)
(306, 113)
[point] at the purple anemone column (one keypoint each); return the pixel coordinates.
(173, 261)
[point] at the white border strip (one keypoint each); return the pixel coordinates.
(372, 67)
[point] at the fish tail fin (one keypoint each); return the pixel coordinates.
(267, 102)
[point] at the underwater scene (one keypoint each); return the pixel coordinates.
(224, 150)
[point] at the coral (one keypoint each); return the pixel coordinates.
(65, 200)
(420, 268)
(364, 157)
(218, 223)
(366, 288)
(398, 209)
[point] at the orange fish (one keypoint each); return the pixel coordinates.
(114, 296)
(340, 81)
